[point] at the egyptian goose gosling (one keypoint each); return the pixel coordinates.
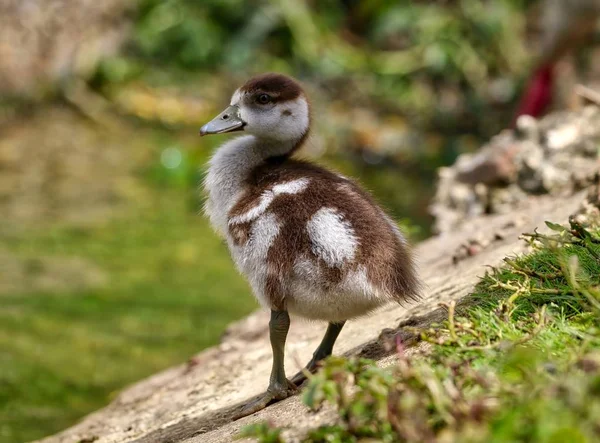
(311, 242)
(565, 26)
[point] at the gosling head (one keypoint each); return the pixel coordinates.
(272, 107)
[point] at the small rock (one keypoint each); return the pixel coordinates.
(528, 128)
(493, 166)
(552, 155)
(562, 137)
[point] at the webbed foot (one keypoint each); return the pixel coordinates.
(274, 394)
(301, 377)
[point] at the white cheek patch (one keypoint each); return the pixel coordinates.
(274, 123)
(267, 197)
(333, 238)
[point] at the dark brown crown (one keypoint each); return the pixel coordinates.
(279, 86)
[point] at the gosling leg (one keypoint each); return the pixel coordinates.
(279, 386)
(324, 350)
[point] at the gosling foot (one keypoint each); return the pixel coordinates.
(274, 394)
(311, 367)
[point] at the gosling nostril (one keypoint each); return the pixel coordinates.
(225, 117)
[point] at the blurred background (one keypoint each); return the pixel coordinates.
(107, 271)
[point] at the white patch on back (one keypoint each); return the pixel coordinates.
(267, 197)
(264, 202)
(291, 187)
(333, 238)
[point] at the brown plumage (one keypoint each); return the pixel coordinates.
(381, 248)
(280, 87)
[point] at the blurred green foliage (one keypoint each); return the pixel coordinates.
(444, 75)
(402, 54)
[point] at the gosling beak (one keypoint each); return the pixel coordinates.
(227, 121)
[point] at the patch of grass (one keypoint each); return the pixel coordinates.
(268, 434)
(559, 271)
(171, 292)
(519, 361)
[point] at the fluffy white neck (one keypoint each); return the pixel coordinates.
(229, 167)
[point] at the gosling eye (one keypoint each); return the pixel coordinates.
(263, 99)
